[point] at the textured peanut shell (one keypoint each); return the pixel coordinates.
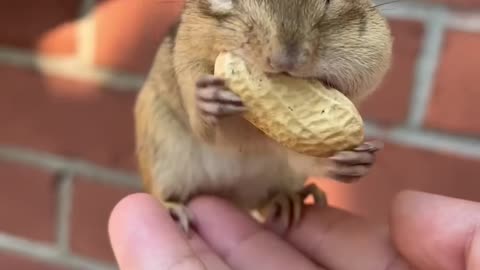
(300, 114)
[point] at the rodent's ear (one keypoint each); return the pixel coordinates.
(221, 6)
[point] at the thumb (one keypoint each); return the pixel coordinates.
(434, 232)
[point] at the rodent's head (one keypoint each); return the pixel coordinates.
(343, 43)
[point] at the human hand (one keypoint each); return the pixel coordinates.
(426, 232)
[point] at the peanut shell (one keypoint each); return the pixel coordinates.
(302, 115)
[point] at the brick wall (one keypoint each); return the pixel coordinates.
(70, 69)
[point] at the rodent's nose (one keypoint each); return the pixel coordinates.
(283, 60)
(281, 63)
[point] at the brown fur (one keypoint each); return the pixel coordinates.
(345, 43)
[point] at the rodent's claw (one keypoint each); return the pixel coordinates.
(182, 215)
(215, 101)
(319, 196)
(349, 166)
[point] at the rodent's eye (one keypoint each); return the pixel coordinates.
(221, 6)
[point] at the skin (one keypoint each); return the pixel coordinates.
(190, 135)
(425, 232)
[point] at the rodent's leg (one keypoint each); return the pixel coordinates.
(161, 142)
(178, 210)
(349, 166)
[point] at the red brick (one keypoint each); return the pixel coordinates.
(67, 117)
(92, 204)
(129, 32)
(27, 197)
(14, 261)
(24, 23)
(389, 104)
(454, 104)
(400, 167)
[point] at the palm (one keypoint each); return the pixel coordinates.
(144, 237)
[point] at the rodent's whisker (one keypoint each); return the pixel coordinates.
(387, 3)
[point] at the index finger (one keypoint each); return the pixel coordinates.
(145, 237)
(340, 240)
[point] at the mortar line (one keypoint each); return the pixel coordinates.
(48, 254)
(464, 21)
(55, 163)
(64, 206)
(71, 68)
(408, 10)
(428, 140)
(426, 67)
(86, 39)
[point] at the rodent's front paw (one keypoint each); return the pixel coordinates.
(215, 101)
(349, 166)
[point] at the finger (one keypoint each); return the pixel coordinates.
(435, 232)
(214, 94)
(241, 241)
(144, 237)
(371, 146)
(210, 80)
(352, 158)
(340, 241)
(220, 109)
(349, 170)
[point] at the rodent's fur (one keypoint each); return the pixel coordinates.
(345, 43)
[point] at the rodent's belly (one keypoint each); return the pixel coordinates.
(248, 179)
(245, 177)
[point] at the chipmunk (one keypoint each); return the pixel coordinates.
(191, 137)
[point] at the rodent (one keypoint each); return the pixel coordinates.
(191, 138)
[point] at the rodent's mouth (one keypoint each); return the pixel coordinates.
(327, 83)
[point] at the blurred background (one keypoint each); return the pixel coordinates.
(70, 70)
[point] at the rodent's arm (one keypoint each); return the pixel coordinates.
(308, 165)
(344, 166)
(188, 76)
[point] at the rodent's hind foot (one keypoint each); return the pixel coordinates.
(284, 210)
(349, 166)
(182, 215)
(319, 196)
(215, 101)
